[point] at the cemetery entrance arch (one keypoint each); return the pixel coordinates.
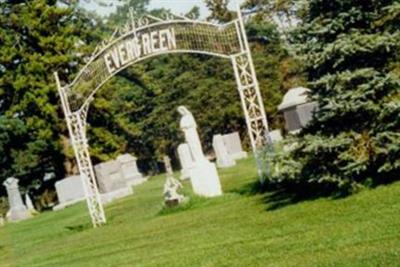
(144, 38)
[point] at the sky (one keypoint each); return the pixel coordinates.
(177, 6)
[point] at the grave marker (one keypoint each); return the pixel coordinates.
(18, 210)
(224, 160)
(203, 175)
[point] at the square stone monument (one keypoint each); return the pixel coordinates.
(109, 176)
(111, 181)
(18, 211)
(69, 191)
(297, 109)
(224, 160)
(234, 146)
(130, 170)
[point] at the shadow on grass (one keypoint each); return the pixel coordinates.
(187, 204)
(192, 202)
(280, 196)
(78, 228)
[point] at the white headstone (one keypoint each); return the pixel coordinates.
(234, 146)
(186, 160)
(168, 166)
(276, 136)
(1, 221)
(18, 211)
(203, 175)
(111, 180)
(69, 191)
(29, 204)
(48, 176)
(130, 170)
(224, 160)
(110, 177)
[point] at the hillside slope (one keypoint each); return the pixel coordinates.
(233, 230)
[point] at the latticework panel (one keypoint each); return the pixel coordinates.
(79, 142)
(207, 38)
(251, 100)
(159, 38)
(253, 108)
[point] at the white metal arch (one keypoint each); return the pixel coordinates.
(93, 93)
(131, 31)
(148, 37)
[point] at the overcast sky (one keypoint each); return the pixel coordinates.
(177, 6)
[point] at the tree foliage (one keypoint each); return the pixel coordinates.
(36, 38)
(219, 10)
(351, 52)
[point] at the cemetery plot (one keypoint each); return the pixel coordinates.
(150, 36)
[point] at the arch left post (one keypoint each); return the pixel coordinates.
(76, 122)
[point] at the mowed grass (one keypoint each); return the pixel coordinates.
(236, 229)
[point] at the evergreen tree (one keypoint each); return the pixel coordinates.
(351, 53)
(36, 38)
(219, 10)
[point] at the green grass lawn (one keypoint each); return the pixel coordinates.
(233, 230)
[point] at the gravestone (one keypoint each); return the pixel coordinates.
(171, 186)
(109, 176)
(305, 112)
(1, 221)
(276, 136)
(29, 204)
(48, 176)
(234, 146)
(69, 191)
(18, 210)
(297, 109)
(186, 160)
(168, 166)
(111, 181)
(203, 176)
(130, 170)
(224, 160)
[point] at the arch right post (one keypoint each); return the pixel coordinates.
(251, 99)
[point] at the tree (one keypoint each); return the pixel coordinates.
(351, 52)
(284, 13)
(127, 8)
(37, 38)
(219, 10)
